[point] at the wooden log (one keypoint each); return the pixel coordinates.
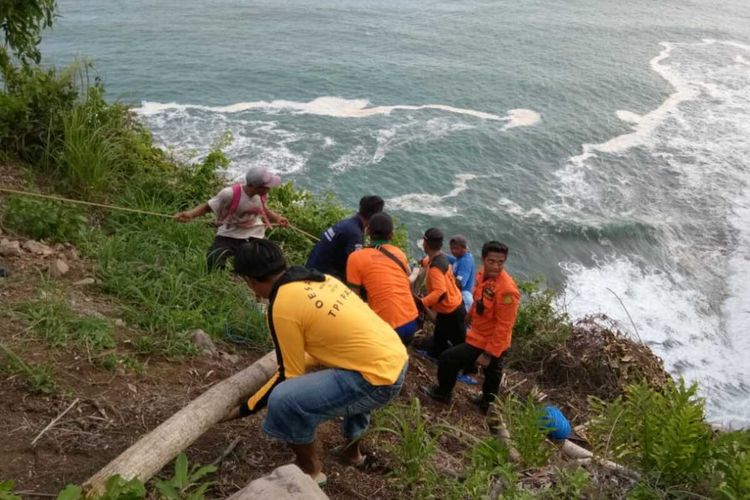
(157, 448)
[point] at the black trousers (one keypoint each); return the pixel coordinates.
(450, 330)
(222, 248)
(457, 358)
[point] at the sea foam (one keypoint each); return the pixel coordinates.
(339, 107)
(432, 204)
(691, 304)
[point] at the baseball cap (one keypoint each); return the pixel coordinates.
(261, 177)
(259, 258)
(459, 240)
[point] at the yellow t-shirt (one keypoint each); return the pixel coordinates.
(324, 322)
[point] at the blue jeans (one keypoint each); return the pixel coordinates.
(297, 406)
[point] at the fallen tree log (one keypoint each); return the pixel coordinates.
(157, 448)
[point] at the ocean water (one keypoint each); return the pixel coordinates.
(607, 142)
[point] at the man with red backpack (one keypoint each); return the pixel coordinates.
(241, 214)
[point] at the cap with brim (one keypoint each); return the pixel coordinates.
(261, 177)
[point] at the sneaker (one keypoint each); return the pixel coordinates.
(434, 392)
(426, 355)
(467, 379)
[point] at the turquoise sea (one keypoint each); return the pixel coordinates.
(607, 142)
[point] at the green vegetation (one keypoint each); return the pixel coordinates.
(186, 484)
(664, 435)
(22, 22)
(51, 318)
(539, 327)
(38, 378)
(412, 442)
(45, 220)
(522, 418)
(6, 490)
(416, 441)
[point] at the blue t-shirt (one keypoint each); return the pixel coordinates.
(464, 271)
(336, 243)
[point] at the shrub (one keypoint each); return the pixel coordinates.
(88, 153)
(41, 219)
(32, 108)
(663, 433)
(539, 327)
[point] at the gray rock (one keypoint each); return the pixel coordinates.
(37, 248)
(58, 268)
(232, 358)
(120, 323)
(284, 483)
(202, 340)
(9, 248)
(85, 282)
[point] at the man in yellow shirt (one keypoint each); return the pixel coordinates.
(314, 319)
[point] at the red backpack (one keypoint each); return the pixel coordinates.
(237, 195)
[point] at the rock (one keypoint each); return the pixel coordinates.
(71, 254)
(284, 483)
(58, 268)
(202, 340)
(9, 248)
(37, 248)
(231, 358)
(120, 323)
(85, 282)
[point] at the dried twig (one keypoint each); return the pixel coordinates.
(635, 328)
(56, 419)
(229, 449)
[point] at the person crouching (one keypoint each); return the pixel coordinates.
(314, 319)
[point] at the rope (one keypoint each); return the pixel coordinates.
(126, 209)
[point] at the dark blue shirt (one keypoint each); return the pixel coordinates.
(336, 243)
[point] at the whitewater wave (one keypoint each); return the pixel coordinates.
(338, 107)
(663, 310)
(689, 294)
(432, 204)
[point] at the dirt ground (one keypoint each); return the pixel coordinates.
(115, 408)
